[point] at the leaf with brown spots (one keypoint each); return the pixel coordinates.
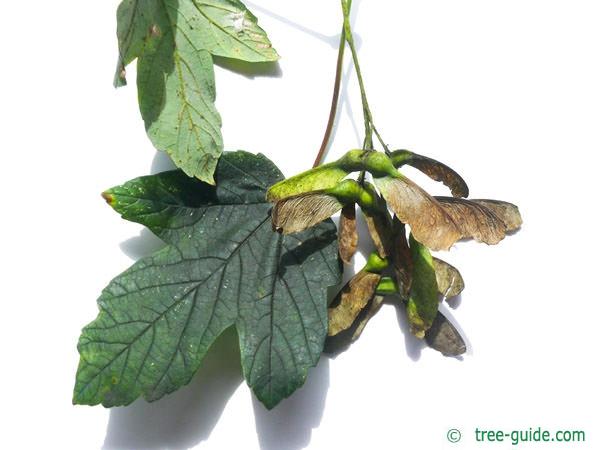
(174, 43)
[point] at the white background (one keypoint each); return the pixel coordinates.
(506, 92)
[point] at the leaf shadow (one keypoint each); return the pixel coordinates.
(142, 245)
(248, 69)
(182, 419)
(302, 246)
(331, 40)
(161, 163)
(413, 345)
(454, 302)
(289, 425)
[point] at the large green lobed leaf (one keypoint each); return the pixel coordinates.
(174, 41)
(223, 266)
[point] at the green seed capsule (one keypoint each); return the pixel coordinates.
(322, 177)
(379, 165)
(375, 263)
(387, 286)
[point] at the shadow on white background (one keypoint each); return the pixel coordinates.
(187, 417)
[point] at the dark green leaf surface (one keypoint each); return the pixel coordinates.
(174, 41)
(223, 266)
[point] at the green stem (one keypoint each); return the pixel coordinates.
(370, 129)
(368, 116)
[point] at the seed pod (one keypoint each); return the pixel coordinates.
(508, 212)
(378, 227)
(428, 220)
(297, 213)
(376, 264)
(422, 305)
(474, 220)
(379, 164)
(348, 234)
(378, 223)
(449, 280)
(387, 286)
(351, 300)
(317, 179)
(342, 340)
(401, 258)
(444, 337)
(433, 169)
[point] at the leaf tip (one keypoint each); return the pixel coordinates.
(109, 198)
(78, 400)
(120, 79)
(208, 179)
(269, 404)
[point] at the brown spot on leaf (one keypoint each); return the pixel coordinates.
(154, 31)
(110, 199)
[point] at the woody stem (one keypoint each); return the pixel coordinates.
(334, 101)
